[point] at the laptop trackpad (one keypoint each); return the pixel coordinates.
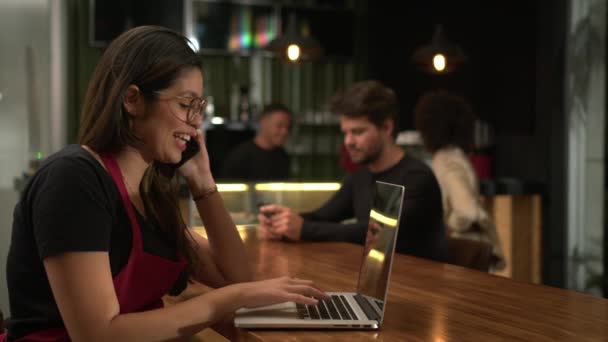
(281, 310)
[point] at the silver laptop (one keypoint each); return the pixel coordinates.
(346, 310)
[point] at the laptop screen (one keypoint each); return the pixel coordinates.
(380, 244)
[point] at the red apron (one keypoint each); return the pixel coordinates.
(141, 284)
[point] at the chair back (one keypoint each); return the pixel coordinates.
(470, 253)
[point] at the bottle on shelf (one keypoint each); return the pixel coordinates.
(244, 104)
(234, 103)
(210, 109)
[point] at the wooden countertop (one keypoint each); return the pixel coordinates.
(428, 301)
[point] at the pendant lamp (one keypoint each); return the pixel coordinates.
(293, 45)
(439, 56)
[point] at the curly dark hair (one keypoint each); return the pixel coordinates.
(370, 99)
(444, 119)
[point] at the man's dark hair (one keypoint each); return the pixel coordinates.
(444, 119)
(370, 99)
(272, 108)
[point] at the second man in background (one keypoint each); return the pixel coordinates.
(264, 157)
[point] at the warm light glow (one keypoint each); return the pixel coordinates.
(391, 222)
(243, 234)
(439, 62)
(234, 42)
(243, 231)
(293, 52)
(232, 187)
(297, 186)
(377, 255)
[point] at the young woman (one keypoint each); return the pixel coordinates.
(98, 238)
(445, 122)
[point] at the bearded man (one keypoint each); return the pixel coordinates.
(368, 119)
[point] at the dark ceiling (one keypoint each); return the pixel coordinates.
(498, 37)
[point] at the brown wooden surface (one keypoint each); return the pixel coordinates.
(519, 227)
(428, 301)
(518, 221)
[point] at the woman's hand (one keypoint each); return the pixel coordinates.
(197, 170)
(280, 290)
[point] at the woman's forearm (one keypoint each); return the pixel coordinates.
(225, 244)
(177, 321)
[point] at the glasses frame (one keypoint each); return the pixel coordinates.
(191, 114)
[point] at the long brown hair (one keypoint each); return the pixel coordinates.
(151, 58)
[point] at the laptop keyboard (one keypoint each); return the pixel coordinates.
(335, 308)
(366, 307)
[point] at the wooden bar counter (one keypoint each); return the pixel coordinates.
(428, 301)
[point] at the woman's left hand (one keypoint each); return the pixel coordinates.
(197, 170)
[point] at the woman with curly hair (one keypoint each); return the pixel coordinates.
(445, 122)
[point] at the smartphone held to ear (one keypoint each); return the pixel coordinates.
(192, 148)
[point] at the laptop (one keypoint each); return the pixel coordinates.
(346, 310)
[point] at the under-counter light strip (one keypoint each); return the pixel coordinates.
(232, 187)
(297, 186)
(242, 229)
(391, 222)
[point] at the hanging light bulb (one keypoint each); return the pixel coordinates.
(295, 45)
(293, 52)
(439, 62)
(433, 57)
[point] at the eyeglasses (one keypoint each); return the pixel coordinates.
(187, 106)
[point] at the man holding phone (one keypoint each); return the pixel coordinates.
(368, 113)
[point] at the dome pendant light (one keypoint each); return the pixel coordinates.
(440, 56)
(294, 46)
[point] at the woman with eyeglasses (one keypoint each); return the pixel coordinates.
(97, 236)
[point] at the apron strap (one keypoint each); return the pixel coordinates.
(112, 166)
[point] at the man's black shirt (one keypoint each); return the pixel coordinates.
(421, 230)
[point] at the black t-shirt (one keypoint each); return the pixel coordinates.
(248, 161)
(70, 205)
(421, 229)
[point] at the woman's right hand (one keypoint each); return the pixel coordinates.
(197, 170)
(280, 290)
